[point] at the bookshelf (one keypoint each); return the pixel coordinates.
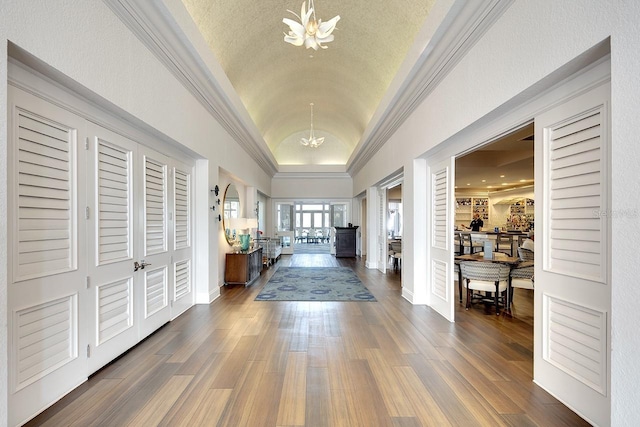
(466, 206)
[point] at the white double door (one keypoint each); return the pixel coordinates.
(140, 244)
(87, 206)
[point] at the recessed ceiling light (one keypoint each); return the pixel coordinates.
(501, 176)
(489, 186)
(505, 183)
(468, 183)
(523, 180)
(484, 180)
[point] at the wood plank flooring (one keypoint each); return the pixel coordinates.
(240, 362)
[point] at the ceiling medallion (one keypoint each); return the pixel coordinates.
(312, 142)
(309, 32)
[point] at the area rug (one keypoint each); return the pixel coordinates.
(315, 284)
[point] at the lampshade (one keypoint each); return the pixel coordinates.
(243, 225)
(252, 222)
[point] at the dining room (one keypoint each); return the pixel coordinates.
(494, 216)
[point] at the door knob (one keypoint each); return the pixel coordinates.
(140, 265)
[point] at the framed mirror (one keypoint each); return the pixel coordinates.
(231, 209)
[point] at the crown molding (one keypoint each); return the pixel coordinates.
(312, 175)
(464, 24)
(156, 28)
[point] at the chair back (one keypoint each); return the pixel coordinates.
(525, 254)
(396, 246)
(485, 271)
(505, 243)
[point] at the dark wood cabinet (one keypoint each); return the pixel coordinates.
(345, 241)
(243, 268)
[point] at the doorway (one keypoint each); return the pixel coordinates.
(495, 182)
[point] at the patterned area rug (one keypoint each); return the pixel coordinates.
(315, 284)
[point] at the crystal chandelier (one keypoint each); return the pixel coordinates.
(309, 32)
(312, 142)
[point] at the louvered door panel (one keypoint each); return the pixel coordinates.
(115, 309)
(155, 207)
(114, 233)
(439, 267)
(183, 278)
(439, 206)
(576, 341)
(575, 198)
(182, 222)
(155, 291)
(46, 242)
(45, 339)
(439, 281)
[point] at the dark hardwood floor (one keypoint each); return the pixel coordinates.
(240, 362)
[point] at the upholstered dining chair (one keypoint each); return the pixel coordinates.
(525, 254)
(485, 277)
(396, 247)
(521, 275)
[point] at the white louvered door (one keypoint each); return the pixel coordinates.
(182, 295)
(572, 275)
(156, 278)
(440, 269)
(46, 293)
(112, 224)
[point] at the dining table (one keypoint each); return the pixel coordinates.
(496, 257)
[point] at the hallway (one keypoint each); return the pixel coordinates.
(238, 362)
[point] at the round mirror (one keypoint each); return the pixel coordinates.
(231, 209)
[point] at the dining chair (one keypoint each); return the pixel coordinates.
(396, 247)
(504, 243)
(467, 241)
(522, 238)
(457, 242)
(521, 276)
(458, 277)
(485, 277)
(525, 254)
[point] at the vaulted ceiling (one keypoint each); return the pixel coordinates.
(277, 81)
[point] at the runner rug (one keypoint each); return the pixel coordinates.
(315, 284)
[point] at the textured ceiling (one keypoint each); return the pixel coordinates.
(277, 81)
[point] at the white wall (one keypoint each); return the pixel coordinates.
(531, 41)
(299, 187)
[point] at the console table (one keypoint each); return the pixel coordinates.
(243, 268)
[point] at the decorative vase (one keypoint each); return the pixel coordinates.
(244, 241)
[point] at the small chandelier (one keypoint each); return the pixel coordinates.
(312, 142)
(309, 32)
